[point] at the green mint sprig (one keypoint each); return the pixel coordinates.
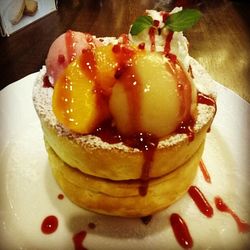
(141, 23)
(183, 20)
(178, 21)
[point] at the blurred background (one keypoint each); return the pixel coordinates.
(220, 41)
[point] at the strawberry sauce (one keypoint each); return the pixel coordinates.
(70, 45)
(204, 171)
(169, 38)
(200, 201)
(49, 224)
(181, 231)
(151, 33)
(46, 82)
(243, 227)
(78, 239)
(205, 99)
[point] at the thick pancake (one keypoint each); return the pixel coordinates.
(121, 198)
(92, 156)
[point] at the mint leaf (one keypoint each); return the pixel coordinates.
(141, 23)
(183, 20)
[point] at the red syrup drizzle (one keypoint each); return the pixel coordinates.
(145, 142)
(46, 82)
(69, 42)
(125, 39)
(61, 59)
(152, 31)
(151, 34)
(204, 171)
(186, 127)
(108, 133)
(168, 40)
(205, 99)
(165, 16)
(181, 231)
(141, 46)
(78, 239)
(49, 224)
(88, 65)
(60, 196)
(243, 227)
(200, 201)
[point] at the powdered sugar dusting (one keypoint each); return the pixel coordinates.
(202, 80)
(42, 99)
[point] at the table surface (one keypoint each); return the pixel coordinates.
(220, 41)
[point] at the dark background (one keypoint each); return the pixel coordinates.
(220, 42)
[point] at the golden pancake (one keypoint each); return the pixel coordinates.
(122, 198)
(92, 156)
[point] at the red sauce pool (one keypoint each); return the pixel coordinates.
(181, 231)
(243, 227)
(200, 201)
(49, 224)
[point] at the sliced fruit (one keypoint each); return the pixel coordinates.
(106, 65)
(81, 93)
(146, 97)
(75, 103)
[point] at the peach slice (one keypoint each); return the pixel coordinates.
(75, 103)
(106, 65)
(81, 93)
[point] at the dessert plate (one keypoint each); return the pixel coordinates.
(29, 193)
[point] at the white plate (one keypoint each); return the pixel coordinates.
(29, 193)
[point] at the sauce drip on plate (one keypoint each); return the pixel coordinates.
(181, 231)
(49, 224)
(243, 227)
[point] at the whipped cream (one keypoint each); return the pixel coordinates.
(178, 44)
